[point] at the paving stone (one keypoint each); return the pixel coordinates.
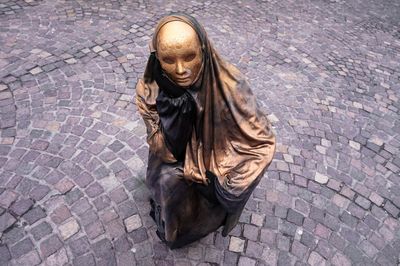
(371, 221)
(391, 254)
(376, 199)
(83, 179)
(195, 253)
(31, 258)
(39, 192)
(21, 248)
(138, 235)
(116, 146)
(122, 244)
(59, 258)
(84, 260)
(257, 219)
(13, 235)
(80, 246)
(317, 214)
(6, 221)
(324, 249)
(50, 246)
(250, 232)
(115, 229)
(94, 229)
(230, 258)
(363, 202)
(354, 254)
(127, 258)
(392, 209)
(34, 215)
(109, 215)
(253, 249)
(368, 248)
(94, 190)
(316, 259)
(334, 184)
(340, 260)
(5, 255)
(245, 261)
(60, 214)
(118, 195)
(236, 244)
(133, 222)
(321, 178)
(340, 201)
(126, 209)
(80, 206)
(298, 249)
(268, 236)
(288, 228)
(347, 192)
(213, 255)
(88, 217)
(270, 256)
(356, 211)
(41, 230)
(284, 258)
(281, 211)
(73, 195)
(102, 202)
(322, 231)
(350, 235)
(377, 240)
(283, 242)
(102, 248)
(295, 217)
(308, 240)
(348, 219)
(22, 206)
(7, 198)
(68, 229)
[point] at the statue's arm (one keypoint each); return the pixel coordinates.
(148, 111)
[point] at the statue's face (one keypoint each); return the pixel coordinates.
(179, 52)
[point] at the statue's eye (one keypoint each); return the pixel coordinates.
(168, 60)
(190, 57)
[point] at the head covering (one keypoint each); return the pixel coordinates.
(232, 138)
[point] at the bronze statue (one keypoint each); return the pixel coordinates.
(209, 145)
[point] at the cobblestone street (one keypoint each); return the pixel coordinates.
(73, 149)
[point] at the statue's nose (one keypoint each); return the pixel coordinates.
(179, 68)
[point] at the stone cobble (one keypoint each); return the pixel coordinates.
(72, 144)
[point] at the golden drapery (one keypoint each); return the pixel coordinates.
(231, 138)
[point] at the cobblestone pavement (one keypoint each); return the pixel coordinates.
(73, 152)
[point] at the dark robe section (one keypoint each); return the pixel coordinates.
(180, 210)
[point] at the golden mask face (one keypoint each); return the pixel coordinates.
(179, 52)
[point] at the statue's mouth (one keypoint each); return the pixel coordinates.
(182, 79)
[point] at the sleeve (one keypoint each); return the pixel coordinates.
(215, 193)
(145, 101)
(230, 202)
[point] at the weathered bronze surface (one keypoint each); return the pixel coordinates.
(231, 145)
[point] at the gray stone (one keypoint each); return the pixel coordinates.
(21, 248)
(34, 215)
(6, 221)
(50, 246)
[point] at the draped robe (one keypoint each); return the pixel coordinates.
(230, 146)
